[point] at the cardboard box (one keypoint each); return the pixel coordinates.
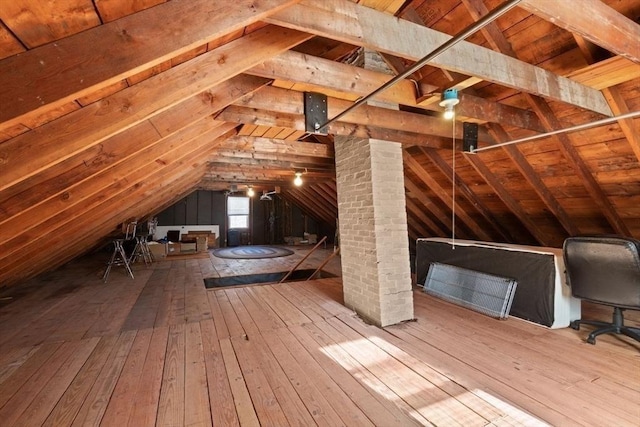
(187, 247)
(158, 250)
(202, 243)
(173, 248)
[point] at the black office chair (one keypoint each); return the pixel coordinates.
(605, 270)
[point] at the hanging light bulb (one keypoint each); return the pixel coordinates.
(298, 179)
(449, 100)
(250, 191)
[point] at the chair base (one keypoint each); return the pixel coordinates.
(615, 327)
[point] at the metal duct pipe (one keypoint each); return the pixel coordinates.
(565, 130)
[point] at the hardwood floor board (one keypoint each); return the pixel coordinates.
(231, 319)
(423, 396)
(95, 404)
(42, 405)
(69, 404)
(12, 359)
(265, 402)
(196, 304)
(170, 287)
(145, 401)
(14, 407)
(263, 315)
(113, 310)
(145, 310)
(119, 407)
(43, 327)
(471, 378)
(315, 402)
(172, 398)
(197, 411)
(321, 295)
(221, 399)
(286, 311)
(379, 412)
(290, 402)
(177, 310)
(519, 374)
(385, 396)
(291, 354)
(216, 313)
(393, 346)
(245, 407)
(468, 325)
(161, 349)
(27, 372)
(528, 363)
(313, 311)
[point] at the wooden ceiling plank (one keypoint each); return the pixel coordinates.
(571, 154)
(418, 193)
(78, 65)
(279, 146)
(110, 10)
(616, 100)
(532, 177)
(348, 22)
(82, 235)
(322, 73)
(620, 35)
(445, 197)
(291, 101)
(9, 45)
(511, 203)
(91, 125)
(36, 22)
(253, 116)
(117, 202)
(607, 73)
(422, 221)
(102, 185)
(54, 180)
(464, 189)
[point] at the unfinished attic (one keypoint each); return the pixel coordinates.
(428, 140)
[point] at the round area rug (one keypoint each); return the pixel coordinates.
(252, 252)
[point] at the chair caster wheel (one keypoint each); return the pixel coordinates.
(591, 340)
(575, 325)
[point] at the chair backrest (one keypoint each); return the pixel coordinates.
(604, 269)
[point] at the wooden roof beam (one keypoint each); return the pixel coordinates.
(111, 184)
(292, 102)
(351, 23)
(62, 138)
(511, 203)
(571, 154)
(445, 197)
(630, 127)
(464, 189)
(593, 20)
(318, 73)
(279, 146)
(254, 116)
(184, 119)
(419, 195)
(70, 68)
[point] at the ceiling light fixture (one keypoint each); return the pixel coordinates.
(449, 100)
(298, 179)
(250, 191)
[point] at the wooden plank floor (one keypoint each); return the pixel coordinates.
(162, 350)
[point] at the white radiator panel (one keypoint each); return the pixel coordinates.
(481, 292)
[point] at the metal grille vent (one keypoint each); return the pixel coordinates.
(481, 292)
